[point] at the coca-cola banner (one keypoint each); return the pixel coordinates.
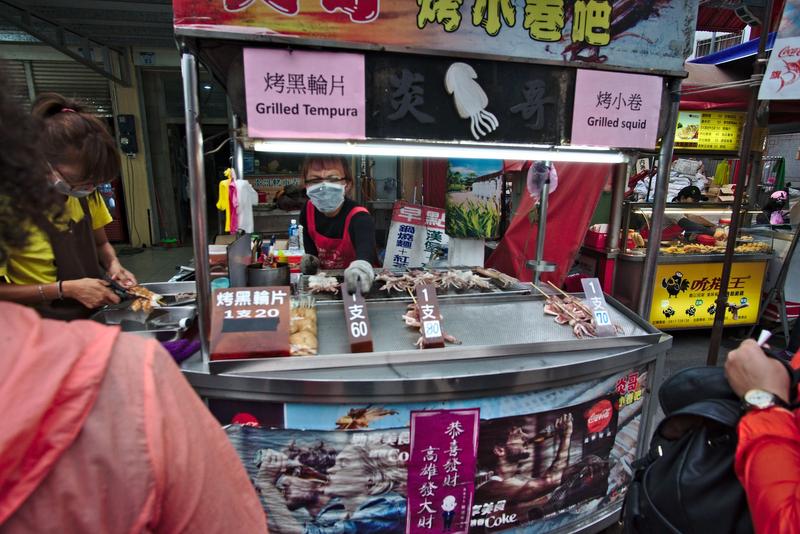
(782, 77)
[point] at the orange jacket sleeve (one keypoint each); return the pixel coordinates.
(768, 466)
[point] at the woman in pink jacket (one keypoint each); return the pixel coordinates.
(99, 431)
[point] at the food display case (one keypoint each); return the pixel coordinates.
(690, 265)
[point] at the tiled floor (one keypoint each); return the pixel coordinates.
(155, 264)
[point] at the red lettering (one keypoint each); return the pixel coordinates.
(789, 51)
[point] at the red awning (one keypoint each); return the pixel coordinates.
(707, 76)
(715, 19)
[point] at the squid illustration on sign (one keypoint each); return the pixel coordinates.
(470, 99)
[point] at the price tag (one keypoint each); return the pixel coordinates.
(357, 320)
(250, 322)
(429, 317)
(597, 302)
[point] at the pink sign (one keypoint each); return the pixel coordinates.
(304, 95)
(441, 470)
(616, 110)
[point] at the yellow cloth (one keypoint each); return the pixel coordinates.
(223, 202)
(722, 173)
(35, 264)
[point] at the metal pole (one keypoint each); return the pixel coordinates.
(238, 149)
(197, 196)
(542, 224)
(745, 147)
(617, 196)
(660, 200)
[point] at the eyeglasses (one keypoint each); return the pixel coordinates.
(85, 186)
(332, 179)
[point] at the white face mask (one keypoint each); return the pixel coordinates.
(325, 196)
(65, 189)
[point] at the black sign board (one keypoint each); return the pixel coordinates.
(357, 319)
(448, 99)
(429, 317)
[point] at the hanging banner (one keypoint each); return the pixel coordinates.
(413, 97)
(616, 110)
(441, 470)
(719, 131)
(416, 236)
(782, 77)
(685, 295)
(655, 36)
(474, 190)
(299, 94)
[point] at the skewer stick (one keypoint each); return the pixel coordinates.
(558, 289)
(540, 291)
(410, 292)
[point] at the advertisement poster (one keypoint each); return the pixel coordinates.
(709, 130)
(441, 470)
(416, 236)
(782, 76)
(602, 417)
(657, 35)
(297, 94)
(684, 295)
(474, 189)
(319, 481)
(616, 110)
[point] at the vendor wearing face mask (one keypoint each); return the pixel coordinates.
(61, 271)
(337, 233)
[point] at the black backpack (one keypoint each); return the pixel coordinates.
(686, 483)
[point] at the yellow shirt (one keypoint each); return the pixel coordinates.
(35, 264)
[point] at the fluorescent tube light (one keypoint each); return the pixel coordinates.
(444, 150)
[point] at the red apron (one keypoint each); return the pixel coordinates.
(333, 253)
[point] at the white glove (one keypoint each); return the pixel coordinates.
(359, 275)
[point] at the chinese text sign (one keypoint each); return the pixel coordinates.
(297, 94)
(441, 470)
(615, 109)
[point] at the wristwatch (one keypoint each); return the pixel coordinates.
(761, 400)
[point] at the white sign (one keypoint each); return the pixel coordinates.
(782, 77)
(416, 233)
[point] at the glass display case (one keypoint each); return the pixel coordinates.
(692, 229)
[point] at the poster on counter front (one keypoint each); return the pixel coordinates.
(416, 236)
(782, 76)
(595, 424)
(685, 295)
(616, 109)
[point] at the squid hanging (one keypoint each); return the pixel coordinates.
(470, 99)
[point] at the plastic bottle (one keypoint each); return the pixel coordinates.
(294, 235)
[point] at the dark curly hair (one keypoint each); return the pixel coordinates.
(25, 193)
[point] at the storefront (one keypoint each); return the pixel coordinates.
(511, 419)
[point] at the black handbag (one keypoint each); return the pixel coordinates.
(686, 482)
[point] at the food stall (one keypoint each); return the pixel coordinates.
(541, 390)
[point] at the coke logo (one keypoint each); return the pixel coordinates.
(789, 51)
(598, 416)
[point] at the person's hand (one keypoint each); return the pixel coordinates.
(749, 368)
(91, 292)
(359, 275)
(272, 465)
(120, 274)
(309, 264)
(564, 424)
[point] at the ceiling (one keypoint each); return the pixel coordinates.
(145, 23)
